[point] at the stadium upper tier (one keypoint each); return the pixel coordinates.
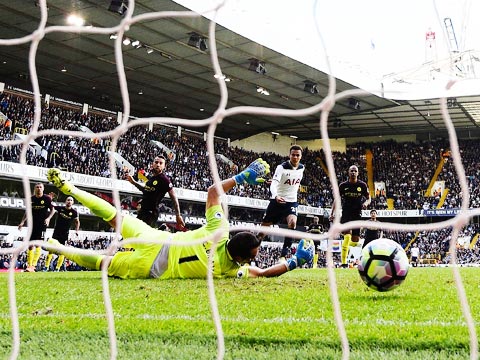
(400, 175)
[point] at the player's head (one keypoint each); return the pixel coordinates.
(158, 164)
(38, 189)
(243, 247)
(69, 201)
(295, 154)
(353, 171)
(373, 214)
(316, 219)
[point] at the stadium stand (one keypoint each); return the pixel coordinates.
(417, 166)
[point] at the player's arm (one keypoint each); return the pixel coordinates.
(176, 206)
(137, 184)
(272, 271)
(77, 224)
(274, 184)
(304, 254)
(252, 175)
(332, 212)
(24, 218)
(368, 199)
(213, 196)
(50, 214)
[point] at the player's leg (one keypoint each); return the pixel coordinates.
(34, 252)
(287, 244)
(262, 235)
(148, 217)
(292, 225)
(347, 236)
(366, 241)
(138, 264)
(60, 260)
(317, 253)
(85, 258)
(36, 256)
(62, 239)
(30, 255)
(96, 205)
(48, 261)
(271, 216)
(355, 238)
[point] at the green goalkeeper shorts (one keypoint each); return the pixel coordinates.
(137, 264)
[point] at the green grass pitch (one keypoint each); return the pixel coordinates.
(62, 316)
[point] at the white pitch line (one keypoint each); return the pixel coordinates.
(276, 320)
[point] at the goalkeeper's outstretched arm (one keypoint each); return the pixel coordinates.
(252, 175)
(272, 271)
(304, 254)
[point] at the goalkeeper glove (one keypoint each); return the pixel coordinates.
(303, 255)
(253, 173)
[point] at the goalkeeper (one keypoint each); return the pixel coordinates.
(156, 260)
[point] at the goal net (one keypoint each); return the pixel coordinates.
(325, 55)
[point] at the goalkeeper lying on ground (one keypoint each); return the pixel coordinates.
(155, 260)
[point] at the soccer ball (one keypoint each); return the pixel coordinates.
(383, 265)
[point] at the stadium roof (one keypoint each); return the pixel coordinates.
(176, 79)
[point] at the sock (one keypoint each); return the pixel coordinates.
(345, 243)
(36, 256)
(30, 257)
(287, 244)
(315, 260)
(89, 261)
(60, 262)
(97, 205)
(49, 260)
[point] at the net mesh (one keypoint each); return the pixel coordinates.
(222, 112)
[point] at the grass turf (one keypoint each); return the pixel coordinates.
(62, 316)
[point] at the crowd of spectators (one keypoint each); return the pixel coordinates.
(406, 168)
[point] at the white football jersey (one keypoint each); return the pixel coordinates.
(286, 181)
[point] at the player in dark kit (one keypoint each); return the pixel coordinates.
(355, 197)
(67, 215)
(154, 191)
(315, 228)
(42, 212)
(372, 232)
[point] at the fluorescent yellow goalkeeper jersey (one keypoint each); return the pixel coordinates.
(171, 261)
(191, 261)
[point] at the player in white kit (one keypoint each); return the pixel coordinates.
(283, 194)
